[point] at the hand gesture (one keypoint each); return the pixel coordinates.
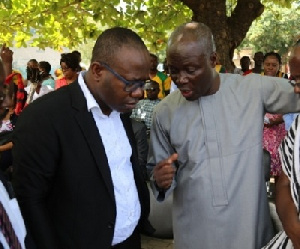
(6, 54)
(164, 172)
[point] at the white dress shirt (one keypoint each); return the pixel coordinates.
(118, 151)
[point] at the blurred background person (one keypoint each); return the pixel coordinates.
(69, 64)
(219, 67)
(162, 79)
(78, 54)
(32, 64)
(272, 64)
(6, 57)
(13, 103)
(144, 108)
(274, 129)
(46, 77)
(258, 62)
(58, 73)
(245, 66)
(44, 82)
(287, 187)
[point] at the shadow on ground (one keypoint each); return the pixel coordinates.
(155, 243)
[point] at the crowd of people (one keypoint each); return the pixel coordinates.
(81, 149)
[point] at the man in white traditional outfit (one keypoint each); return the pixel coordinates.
(288, 185)
(206, 146)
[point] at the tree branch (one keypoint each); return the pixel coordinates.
(247, 11)
(192, 4)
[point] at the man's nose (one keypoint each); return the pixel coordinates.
(137, 93)
(181, 78)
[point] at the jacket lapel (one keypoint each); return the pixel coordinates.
(89, 130)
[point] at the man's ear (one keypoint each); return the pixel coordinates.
(97, 70)
(213, 59)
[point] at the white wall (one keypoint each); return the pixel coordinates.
(23, 55)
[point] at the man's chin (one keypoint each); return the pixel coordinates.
(125, 109)
(191, 98)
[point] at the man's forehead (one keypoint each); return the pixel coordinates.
(294, 64)
(295, 56)
(182, 38)
(296, 52)
(186, 46)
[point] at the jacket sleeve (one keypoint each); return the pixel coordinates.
(140, 134)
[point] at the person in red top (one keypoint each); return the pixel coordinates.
(69, 65)
(245, 64)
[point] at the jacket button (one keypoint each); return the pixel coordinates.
(110, 225)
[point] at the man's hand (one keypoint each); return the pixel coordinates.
(6, 54)
(7, 57)
(164, 172)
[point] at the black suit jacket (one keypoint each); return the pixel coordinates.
(140, 134)
(61, 175)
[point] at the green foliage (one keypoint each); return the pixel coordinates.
(279, 3)
(68, 23)
(155, 23)
(276, 30)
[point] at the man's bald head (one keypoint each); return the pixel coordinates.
(295, 52)
(193, 32)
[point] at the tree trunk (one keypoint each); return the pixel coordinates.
(228, 32)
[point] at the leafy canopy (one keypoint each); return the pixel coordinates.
(276, 30)
(67, 23)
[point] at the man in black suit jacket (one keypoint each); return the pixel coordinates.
(76, 173)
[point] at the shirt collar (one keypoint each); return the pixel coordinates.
(90, 100)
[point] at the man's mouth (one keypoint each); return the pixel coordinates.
(186, 92)
(131, 104)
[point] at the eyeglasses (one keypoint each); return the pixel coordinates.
(65, 68)
(130, 86)
(294, 83)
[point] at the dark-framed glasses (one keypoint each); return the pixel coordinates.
(294, 82)
(130, 85)
(64, 68)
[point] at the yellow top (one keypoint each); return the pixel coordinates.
(167, 85)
